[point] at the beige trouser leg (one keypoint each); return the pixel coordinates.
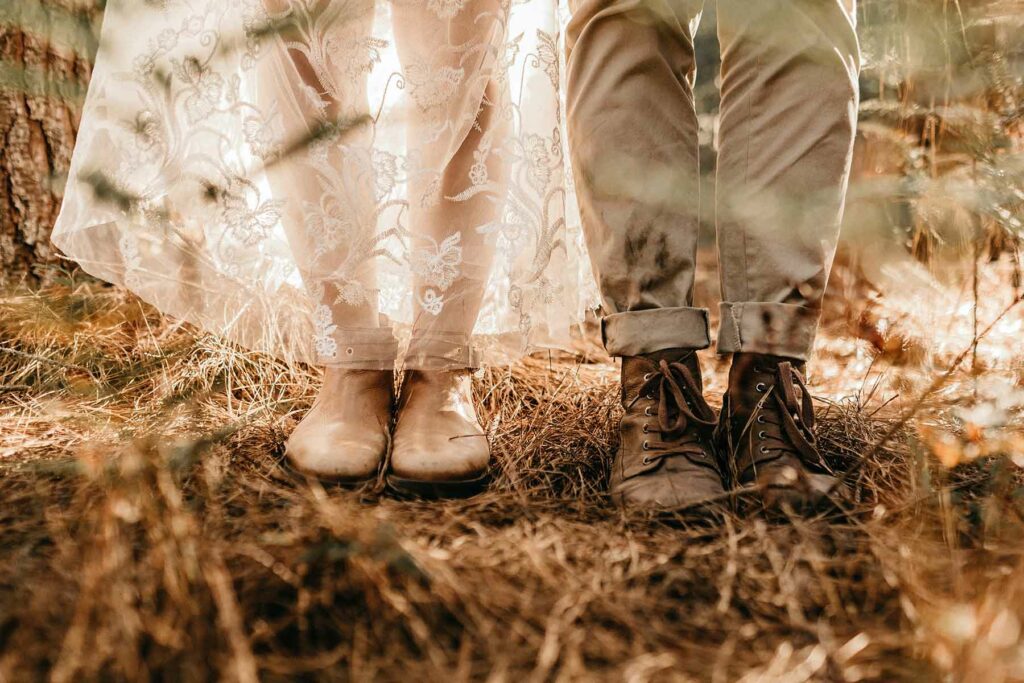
(789, 99)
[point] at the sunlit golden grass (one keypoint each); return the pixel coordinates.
(147, 531)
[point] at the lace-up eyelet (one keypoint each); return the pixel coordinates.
(646, 429)
(647, 446)
(764, 450)
(647, 412)
(646, 460)
(760, 387)
(762, 434)
(649, 397)
(647, 377)
(760, 419)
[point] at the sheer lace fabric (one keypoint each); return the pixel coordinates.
(334, 180)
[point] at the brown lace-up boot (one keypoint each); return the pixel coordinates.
(767, 430)
(666, 457)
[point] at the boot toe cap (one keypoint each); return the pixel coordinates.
(800, 491)
(440, 459)
(333, 453)
(666, 489)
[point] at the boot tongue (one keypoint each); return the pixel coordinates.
(670, 355)
(679, 400)
(743, 377)
(687, 357)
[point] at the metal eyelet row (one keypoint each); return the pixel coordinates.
(761, 386)
(762, 434)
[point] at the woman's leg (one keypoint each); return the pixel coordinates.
(322, 113)
(325, 172)
(457, 132)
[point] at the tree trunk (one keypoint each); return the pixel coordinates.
(46, 49)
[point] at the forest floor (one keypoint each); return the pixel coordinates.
(147, 529)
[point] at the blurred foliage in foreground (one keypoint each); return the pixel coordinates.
(942, 123)
(147, 531)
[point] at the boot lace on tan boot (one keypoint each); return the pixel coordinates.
(344, 436)
(768, 426)
(666, 457)
(440, 450)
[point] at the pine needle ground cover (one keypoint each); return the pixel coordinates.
(148, 531)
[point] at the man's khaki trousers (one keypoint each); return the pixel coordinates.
(788, 115)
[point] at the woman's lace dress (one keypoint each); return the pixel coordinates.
(344, 182)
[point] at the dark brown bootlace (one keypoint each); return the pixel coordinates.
(789, 427)
(684, 417)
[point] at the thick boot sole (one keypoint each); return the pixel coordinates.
(300, 474)
(695, 503)
(436, 490)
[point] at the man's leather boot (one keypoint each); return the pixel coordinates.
(666, 457)
(767, 431)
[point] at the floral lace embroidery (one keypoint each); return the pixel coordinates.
(326, 346)
(446, 9)
(249, 220)
(438, 266)
(432, 87)
(245, 174)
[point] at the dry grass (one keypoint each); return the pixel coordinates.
(147, 532)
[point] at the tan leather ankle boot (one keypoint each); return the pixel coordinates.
(440, 450)
(666, 458)
(767, 428)
(344, 436)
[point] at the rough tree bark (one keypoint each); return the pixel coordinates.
(46, 48)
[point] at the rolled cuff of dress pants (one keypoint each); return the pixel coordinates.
(761, 327)
(634, 333)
